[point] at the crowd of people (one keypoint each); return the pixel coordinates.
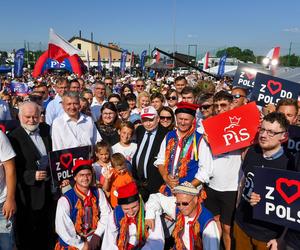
(152, 182)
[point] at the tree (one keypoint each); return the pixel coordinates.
(243, 55)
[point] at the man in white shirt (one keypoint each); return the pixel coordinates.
(72, 128)
(223, 178)
(195, 227)
(54, 108)
(98, 100)
(127, 229)
(7, 192)
(82, 212)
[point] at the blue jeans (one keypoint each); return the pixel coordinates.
(6, 232)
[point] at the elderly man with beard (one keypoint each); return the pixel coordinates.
(31, 142)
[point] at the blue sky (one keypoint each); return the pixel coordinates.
(134, 24)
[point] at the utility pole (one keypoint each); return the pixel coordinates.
(289, 58)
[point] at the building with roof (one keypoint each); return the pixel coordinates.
(91, 47)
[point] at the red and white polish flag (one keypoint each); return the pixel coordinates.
(59, 48)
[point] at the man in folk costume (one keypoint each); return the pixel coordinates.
(183, 151)
(126, 229)
(195, 228)
(82, 212)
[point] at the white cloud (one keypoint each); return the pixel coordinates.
(292, 30)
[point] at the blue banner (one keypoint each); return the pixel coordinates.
(123, 61)
(270, 89)
(19, 62)
(221, 68)
(99, 61)
(18, 88)
(143, 58)
(280, 196)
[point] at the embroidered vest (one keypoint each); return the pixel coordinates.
(203, 219)
(188, 156)
(78, 215)
(118, 216)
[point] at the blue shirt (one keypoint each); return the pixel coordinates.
(54, 109)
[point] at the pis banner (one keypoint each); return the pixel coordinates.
(62, 161)
(233, 129)
(270, 89)
(280, 196)
(245, 76)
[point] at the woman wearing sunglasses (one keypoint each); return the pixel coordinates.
(172, 98)
(167, 118)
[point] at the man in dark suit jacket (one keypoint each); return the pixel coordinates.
(149, 137)
(31, 142)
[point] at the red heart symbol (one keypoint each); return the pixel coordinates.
(250, 76)
(289, 183)
(66, 159)
(2, 127)
(271, 84)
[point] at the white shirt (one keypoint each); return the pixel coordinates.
(128, 152)
(4, 111)
(65, 227)
(6, 153)
(96, 108)
(223, 175)
(67, 133)
(159, 203)
(54, 109)
(38, 141)
(155, 240)
(204, 154)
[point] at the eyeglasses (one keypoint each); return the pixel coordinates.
(238, 96)
(140, 86)
(169, 118)
(270, 133)
(205, 106)
(172, 98)
(184, 203)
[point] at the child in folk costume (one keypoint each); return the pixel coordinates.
(82, 212)
(126, 229)
(195, 228)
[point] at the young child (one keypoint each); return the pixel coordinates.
(117, 177)
(103, 164)
(125, 146)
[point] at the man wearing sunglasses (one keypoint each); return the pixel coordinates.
(269, 153)
(239, 97)
(223, 178)
(182, 151)
(195, 227)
